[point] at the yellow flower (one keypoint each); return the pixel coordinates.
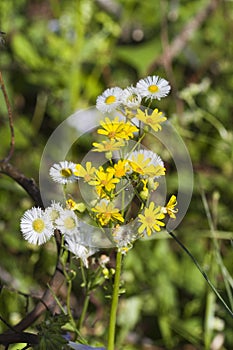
(152, 120)
(170, 207)
(120, 168)
(108, 146)
(151, 219)
(72, 205)
(106, 212)
(111, 128)
(88, 174)
(114, 129)
(128, 130)
(104, 180)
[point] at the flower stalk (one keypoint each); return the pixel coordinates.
(114, 305)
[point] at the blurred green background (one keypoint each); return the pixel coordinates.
(58, 56)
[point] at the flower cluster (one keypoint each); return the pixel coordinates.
(131, 97)
(38, 227)
(129, 167)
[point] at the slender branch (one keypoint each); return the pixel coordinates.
(47, 302)
(184, 36)
(28, 184)
(10, 117)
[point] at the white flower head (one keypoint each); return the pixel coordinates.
(67, 223)
(110, 100)
(36, 226)
(123, 236)
(63, 172)
(131, 98)
(146, 163)
(54, 211)
(153, 87)
(79, 250)
(154, 158)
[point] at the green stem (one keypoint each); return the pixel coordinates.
(115, 297)
(202, 272)
(84, 310)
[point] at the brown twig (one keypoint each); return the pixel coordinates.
(183, 37)
(47, 302)
(10, 118)
(28, 184)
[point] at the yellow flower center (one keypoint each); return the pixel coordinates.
(87, 177)
(132, 98)
(108, 146)
(112, 134)
(104, 182)
(110, 99)
(149, 120)
(69, 223)
(66, 172)
(54, 215)
(149, 220)
(153, 88)
(38, 225)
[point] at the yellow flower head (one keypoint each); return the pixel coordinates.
(108, 146)
(87, 174)
(72, 205)
(151, 219)
(129, 129)
(115, 129)
(106, 212)
(153, 120)
(111, 128)
(105, 180)
(170, 207)
(120, 168)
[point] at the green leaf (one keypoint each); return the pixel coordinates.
(25, 51)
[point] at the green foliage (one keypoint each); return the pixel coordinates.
(51, 334)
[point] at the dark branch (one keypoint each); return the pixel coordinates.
(47, 302)
(28, 184)
(22, 337)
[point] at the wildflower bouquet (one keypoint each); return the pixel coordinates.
(119, 204)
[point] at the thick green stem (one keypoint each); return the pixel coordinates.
(115, 297)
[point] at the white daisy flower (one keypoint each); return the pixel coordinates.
(63, 172)
(67, 223)
(146, 163)
(153, 87)
(54, 211)
(79, 250)
(154, 158)
(109, 100)
(36, 226)
(131, 97)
